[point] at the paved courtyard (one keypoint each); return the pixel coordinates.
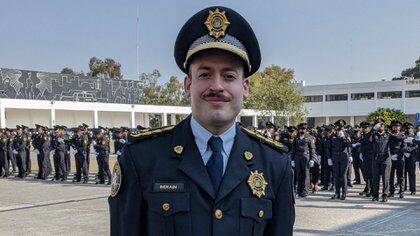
(35, 207)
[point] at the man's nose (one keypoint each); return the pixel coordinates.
(217, 83)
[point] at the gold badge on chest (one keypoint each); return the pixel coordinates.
(178, 149)
(248, 155)
(257, 183)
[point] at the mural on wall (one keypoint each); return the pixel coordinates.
(24, 84)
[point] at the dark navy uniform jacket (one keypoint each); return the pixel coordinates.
(190, 205)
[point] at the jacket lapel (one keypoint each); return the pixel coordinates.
(237, 168)
(191, 162)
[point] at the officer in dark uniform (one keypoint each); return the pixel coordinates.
(303, 153)
(356, 147)
(396, 148)
(4, 164)
(338, 150)
(28, 135)
(120, 141)
(59, 148)
(67, 161)
(42, 144)
(19, 149)
(410, 157)
(270, 130)
(79, 143)
(207, 175)
(366, 156)
(11, 158)
(326, 161)
(101, 145)
(88, 136)
(287, 138)
(381, 168)
(315, 170)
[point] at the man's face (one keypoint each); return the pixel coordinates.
(271, 130)
(216, 87)
(381, 128)
(302, 131)
(366, 129)
(19, 131)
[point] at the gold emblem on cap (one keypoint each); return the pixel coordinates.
(257, 183)
(217, 23)
(116, 179)
(178, 149)
(248, 155)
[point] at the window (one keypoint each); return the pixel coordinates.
(336, 97)
(389, 95)
(412, 94)
(362, 96)
(315, 98)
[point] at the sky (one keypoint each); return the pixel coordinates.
(324, 41)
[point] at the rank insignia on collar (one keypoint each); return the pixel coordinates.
(217, 23)
(257, 183)
(116, 179)
(248, 155)
(178, 149)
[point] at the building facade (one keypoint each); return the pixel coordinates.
(32, 97)
(354, 101)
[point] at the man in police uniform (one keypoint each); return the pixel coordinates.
(79, 143)
(303, 153)
(338, 151)
(396, 148)
(19, 149)
(207, 175)
(381, 167)
(366, 156)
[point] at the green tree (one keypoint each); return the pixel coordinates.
(387, 115)
(410, 73)
(151, 91)
(273, 92)
(108, 69)
(68, 71)
(171, 93)
(413, 72)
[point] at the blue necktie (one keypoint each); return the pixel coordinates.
(215, 164)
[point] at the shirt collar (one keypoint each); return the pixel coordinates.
(202, 136)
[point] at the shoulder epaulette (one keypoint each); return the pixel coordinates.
(138, 135)
(270, 142)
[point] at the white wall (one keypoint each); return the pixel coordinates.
(26, 117)
(73, 118)
(114, 119)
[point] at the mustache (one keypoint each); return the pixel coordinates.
(213, 95)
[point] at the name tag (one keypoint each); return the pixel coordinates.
(168, 187)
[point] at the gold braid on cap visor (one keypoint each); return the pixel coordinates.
(227, 43)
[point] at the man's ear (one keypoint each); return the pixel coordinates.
(187, 85)
(246, 88)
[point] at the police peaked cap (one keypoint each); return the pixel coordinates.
(291, 128)
(329, 128)
(396, 123)
(218, 28)
(340, 122)
(408, 125)
(302, 126)
(269, 124)
(365, 123)
(379, 121)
